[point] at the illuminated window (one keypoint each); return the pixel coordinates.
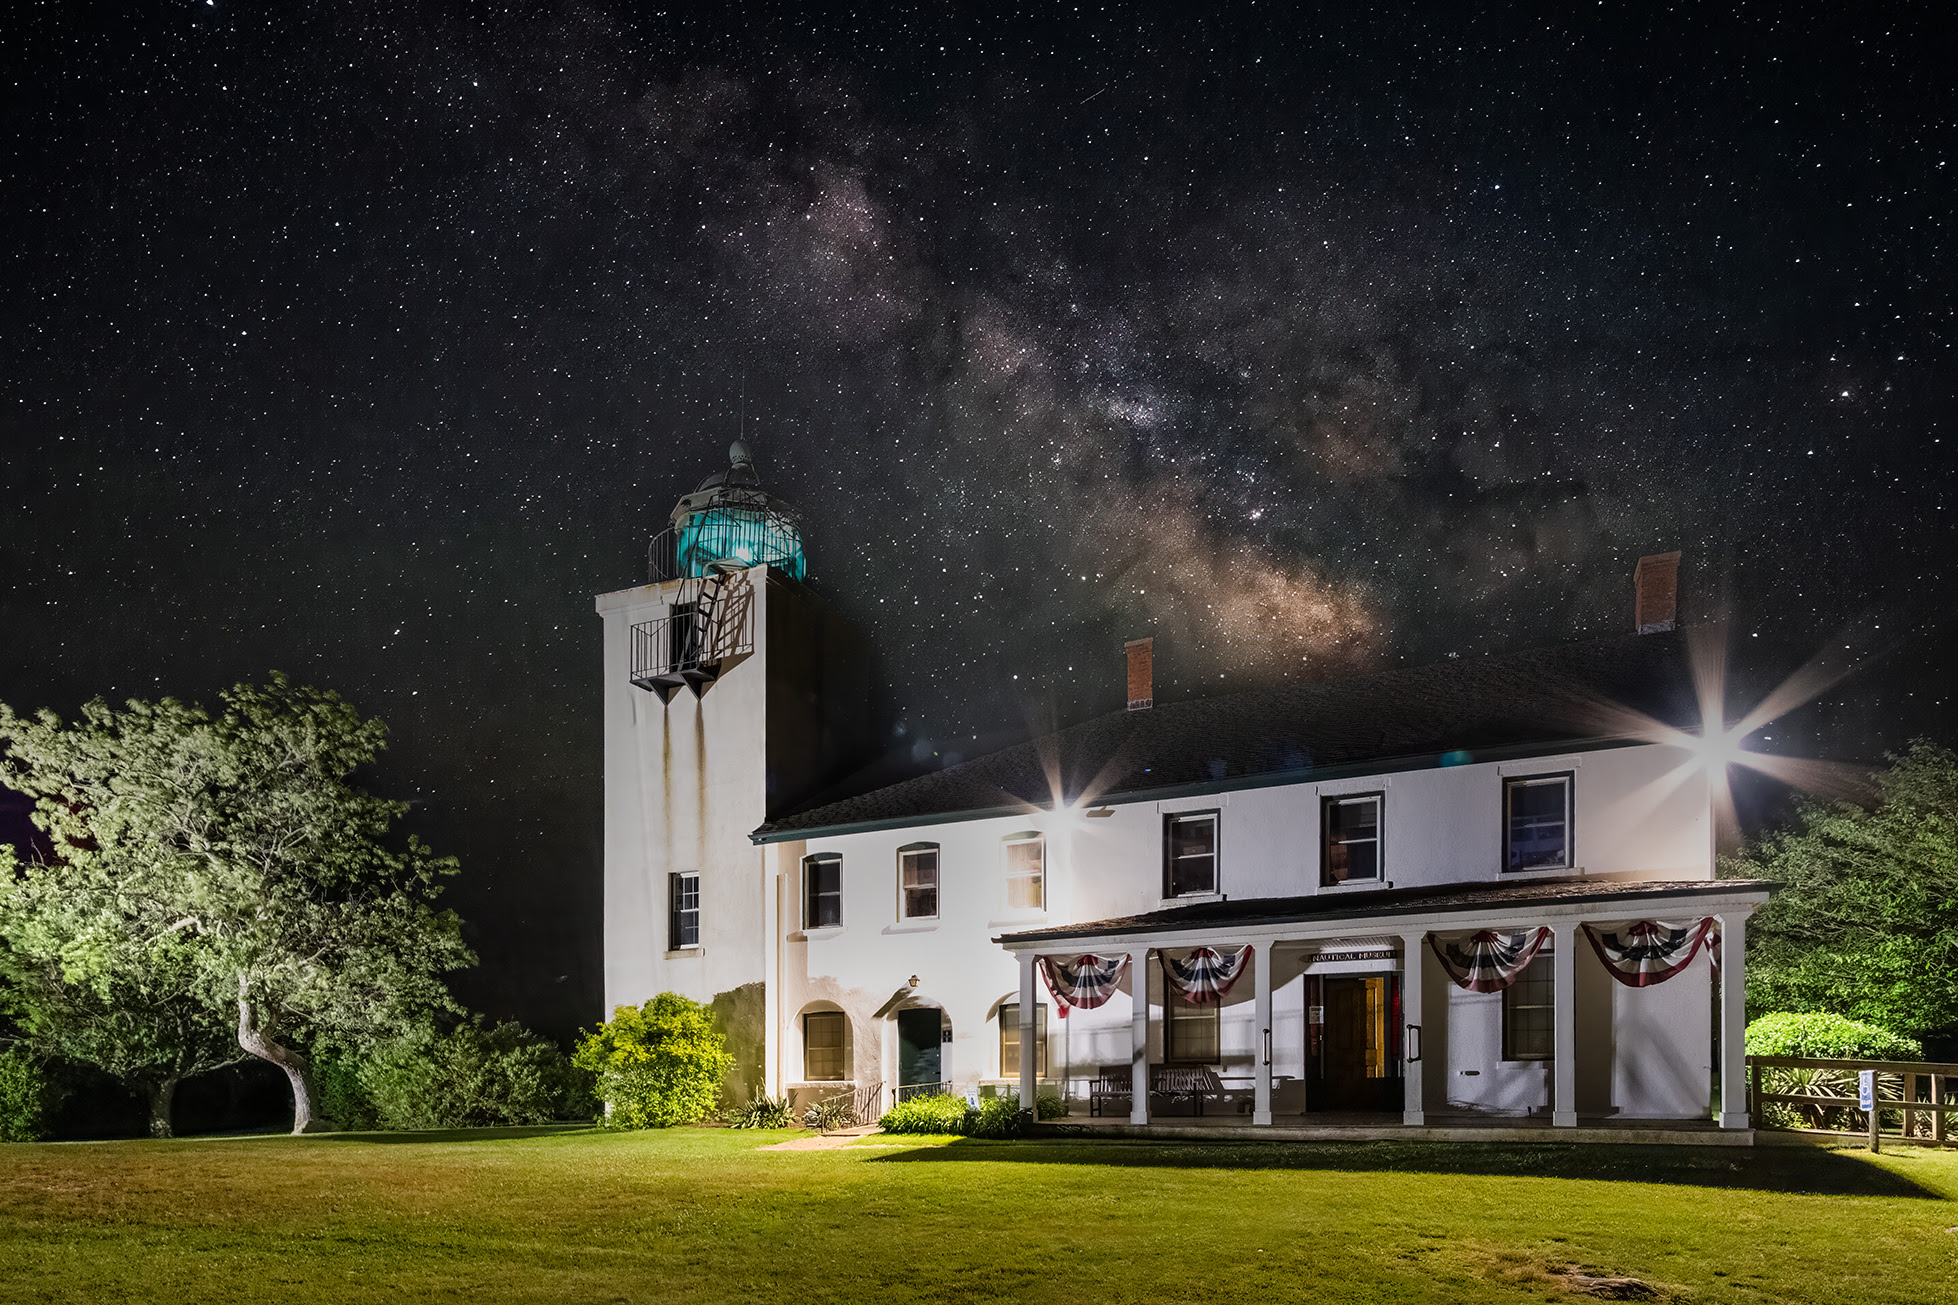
(822, 1046)
(1352, 838)
(917, 882)
(1190, 1033)
(1026, 872)
(1009, 1041)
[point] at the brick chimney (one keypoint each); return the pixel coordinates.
(1655, 583)
(1142, 673)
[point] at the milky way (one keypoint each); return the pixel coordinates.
(1306, 345)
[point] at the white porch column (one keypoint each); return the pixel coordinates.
(1139, 1057)
(1563, 1107)
(1733, 1021)
(1414, 951)
(1029, 1053)
(1261, 1098)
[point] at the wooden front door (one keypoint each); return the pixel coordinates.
(1356, 1063)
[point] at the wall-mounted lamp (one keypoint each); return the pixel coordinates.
(914, 980)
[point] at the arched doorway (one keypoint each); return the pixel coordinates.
(920, 1048)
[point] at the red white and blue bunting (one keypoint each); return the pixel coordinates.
(1204, 976)
(1646, 952)
(1084, 983)
(1488, 960)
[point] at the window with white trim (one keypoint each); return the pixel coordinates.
(917, 881)
(1009, 1040)
(1026, 872)
(822, 891)
(1537, 822)
(1350, 839)
(1189, 853)
(1529, 1012)
(683, 916)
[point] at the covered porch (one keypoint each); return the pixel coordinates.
(1389, 1013)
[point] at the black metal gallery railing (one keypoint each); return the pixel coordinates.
(910, 1090)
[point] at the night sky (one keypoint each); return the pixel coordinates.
(370, 343)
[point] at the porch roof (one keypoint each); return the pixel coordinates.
(1263, 913)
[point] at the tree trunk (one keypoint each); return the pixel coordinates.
(298, 1070)
(162, 1093)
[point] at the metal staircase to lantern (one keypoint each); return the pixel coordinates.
(726, 526)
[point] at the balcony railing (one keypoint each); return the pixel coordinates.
(707, 626)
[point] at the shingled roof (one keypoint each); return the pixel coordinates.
(1466, 709)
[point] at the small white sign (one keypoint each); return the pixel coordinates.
(1866, 1089)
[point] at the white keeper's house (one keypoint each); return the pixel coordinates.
(1460, 899)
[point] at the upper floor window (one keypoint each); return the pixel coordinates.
(822, 891)
(1536, 822)
(1528, 1013)
(1026, 872)
(683, 916)
(1009, 1041)
(917, 881)
(1190, 853)
(1351, 838)
(822, 1046)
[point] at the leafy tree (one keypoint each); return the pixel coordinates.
(237, 843)
(146, 1021)
(1865, 924)
(656, 1065)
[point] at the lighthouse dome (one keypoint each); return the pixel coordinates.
(730, 523)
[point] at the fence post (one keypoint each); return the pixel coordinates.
(1937, 1116)
(1910, 1095)
(1754, 1092)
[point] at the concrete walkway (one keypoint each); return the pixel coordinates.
(825, 1141)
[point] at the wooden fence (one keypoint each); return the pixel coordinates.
(1913, 1097)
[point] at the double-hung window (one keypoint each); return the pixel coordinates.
(1009, 1041)
(1190, 1032)
(1026, 872)
(1528, 1013)
(683, 915)
(1189, 853)
(822, 1046)
(917, 881)
(1537, 822)
(1350, 838)
(822, 891)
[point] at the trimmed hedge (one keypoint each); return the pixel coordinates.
(995, 1117)
(1822, 1036)
(939, 1113)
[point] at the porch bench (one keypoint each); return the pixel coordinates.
(1111, 1081)
(1193, 1083)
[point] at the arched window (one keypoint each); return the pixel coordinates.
(825, 1046)
(917, 881)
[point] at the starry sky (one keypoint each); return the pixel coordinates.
(369, 343)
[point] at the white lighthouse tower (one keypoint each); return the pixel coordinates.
(732, 693)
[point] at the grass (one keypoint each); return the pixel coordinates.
(702, 1215)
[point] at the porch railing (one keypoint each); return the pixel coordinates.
(1914, 1098)
(909, 1090)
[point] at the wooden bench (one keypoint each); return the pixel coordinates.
(1193, 1083)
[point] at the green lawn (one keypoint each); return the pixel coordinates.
(700, 1215)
